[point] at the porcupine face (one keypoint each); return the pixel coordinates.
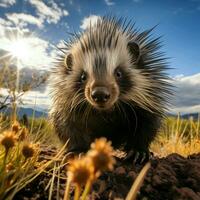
(100, 62)
(111, 64)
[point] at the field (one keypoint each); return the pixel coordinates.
(110, 69)
(33, 165)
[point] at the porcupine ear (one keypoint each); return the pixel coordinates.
(68, 61)
(135, 51)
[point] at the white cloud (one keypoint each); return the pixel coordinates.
(39, 100)
(4, 22)
(109, 3)
(7, 3)
(186, 109)
(65, 12)
(187, 94)
(34, 99)
(192, 80)
(37, 55)
(87, 21)
(52, 13)
(23, 19)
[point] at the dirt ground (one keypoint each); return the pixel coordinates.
(173, 177)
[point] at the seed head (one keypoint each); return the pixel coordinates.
(80, 171)
(8, 139)
(101, 155)
(15, 127)
(28, 150)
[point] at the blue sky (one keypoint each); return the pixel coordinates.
(178, 22)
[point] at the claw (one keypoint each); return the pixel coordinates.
(144, 157)
(138, 157)
(129, 155)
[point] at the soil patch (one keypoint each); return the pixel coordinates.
(170, 178)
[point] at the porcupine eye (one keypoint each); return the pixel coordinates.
(118, 73)
(83, 77)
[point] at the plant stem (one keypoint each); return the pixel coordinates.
(87, 190)
(138, 182)
(77, 192)
(3, 174)
(66, 196)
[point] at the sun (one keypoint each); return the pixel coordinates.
(24, 49)
(20, 49)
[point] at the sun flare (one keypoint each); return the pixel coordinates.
(25, 49)
(20, 49)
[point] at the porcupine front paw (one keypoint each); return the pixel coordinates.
(72, 153)
(137, 156)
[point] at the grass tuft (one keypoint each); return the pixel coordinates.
(179, 136)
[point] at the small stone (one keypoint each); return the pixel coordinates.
(120, 170)
(132, 174)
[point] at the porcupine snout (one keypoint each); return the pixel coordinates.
(100, 94)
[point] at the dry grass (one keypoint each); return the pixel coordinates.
(18, 157)
(19, 153)
(178, 136)
(19, 162)
(138, 182)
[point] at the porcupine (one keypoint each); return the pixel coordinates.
(110, 81)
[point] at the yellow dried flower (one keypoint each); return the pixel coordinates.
(80, 171)
(28, 150)
(15, 127)
(101, 155)
(8, 139)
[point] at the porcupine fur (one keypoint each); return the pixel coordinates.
(110, 81)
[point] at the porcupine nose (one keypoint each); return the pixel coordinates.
(100, 94)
